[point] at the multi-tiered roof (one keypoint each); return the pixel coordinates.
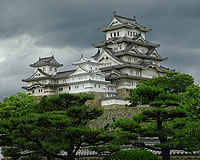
(127, 46)
(123, 58)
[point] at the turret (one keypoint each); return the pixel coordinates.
(124, 27)
(48, 65)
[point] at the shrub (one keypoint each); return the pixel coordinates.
(133, 155)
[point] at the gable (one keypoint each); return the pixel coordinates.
(38, 74)
(53, 61)
(154, 54)
(113, 22)
(104, 57)
(80, 70)
(115, 73)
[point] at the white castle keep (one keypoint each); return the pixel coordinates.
(123, 59)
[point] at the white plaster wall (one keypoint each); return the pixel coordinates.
(88, 87)
(122, 33)
(142, 49)
(49, 69)
(150, 73)
(114, 101)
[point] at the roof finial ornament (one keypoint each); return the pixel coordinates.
(82, 55)
(134, 17)
(114, 13)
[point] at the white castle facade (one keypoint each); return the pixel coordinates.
(122, 60)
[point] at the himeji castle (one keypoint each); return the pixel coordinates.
(123, 59)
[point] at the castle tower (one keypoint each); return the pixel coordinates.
(127, 56)
(43, 81)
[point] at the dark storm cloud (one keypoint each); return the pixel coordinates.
(68, 28)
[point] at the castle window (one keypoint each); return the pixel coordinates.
(76, 87)
(114, 34)
(117, 33)
(69, 88)
(131, 71)
(135, 59)
(110, 34)
(138, 73)
(95, 85)
(44, 69)
(129, 59)
(55, 69)
(60, 89)
(99, 86)
(50, 69)
(33, 91)
(128, 33)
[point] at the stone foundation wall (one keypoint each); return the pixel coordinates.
(123, 92)
(113, 113)
(95, 102)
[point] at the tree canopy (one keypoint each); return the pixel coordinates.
(189, 136)
(54, 127)
(163, 119)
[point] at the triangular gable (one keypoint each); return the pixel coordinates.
(53, 61)
(133, 50)
(154, 54)
(38, 74)
(105, 56)
(114, 73)
(140, 39)
(113, 22)
(80, 70)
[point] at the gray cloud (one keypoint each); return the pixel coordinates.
(29, 29)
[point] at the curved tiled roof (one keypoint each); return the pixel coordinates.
(58, 75)
(126, 22)
(47, 61)
(125, 39)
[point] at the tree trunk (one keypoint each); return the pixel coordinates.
(50, 158)
(165, 154)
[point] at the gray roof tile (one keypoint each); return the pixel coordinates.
(47, 61)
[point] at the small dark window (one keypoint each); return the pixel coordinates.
(60, 89)
(33, 91)
(114, 34)
(110, 34)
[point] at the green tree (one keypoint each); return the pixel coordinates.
(189, 136)
(162, 121)
(49, 127)
(133, 155)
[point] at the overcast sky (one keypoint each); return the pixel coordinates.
(30, 29)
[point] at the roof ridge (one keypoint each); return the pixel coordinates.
(46, 57)
(125, 17)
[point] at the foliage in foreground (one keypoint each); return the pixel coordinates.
(159, 121)
(133, 155)
(48, 127)
(189, 136)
